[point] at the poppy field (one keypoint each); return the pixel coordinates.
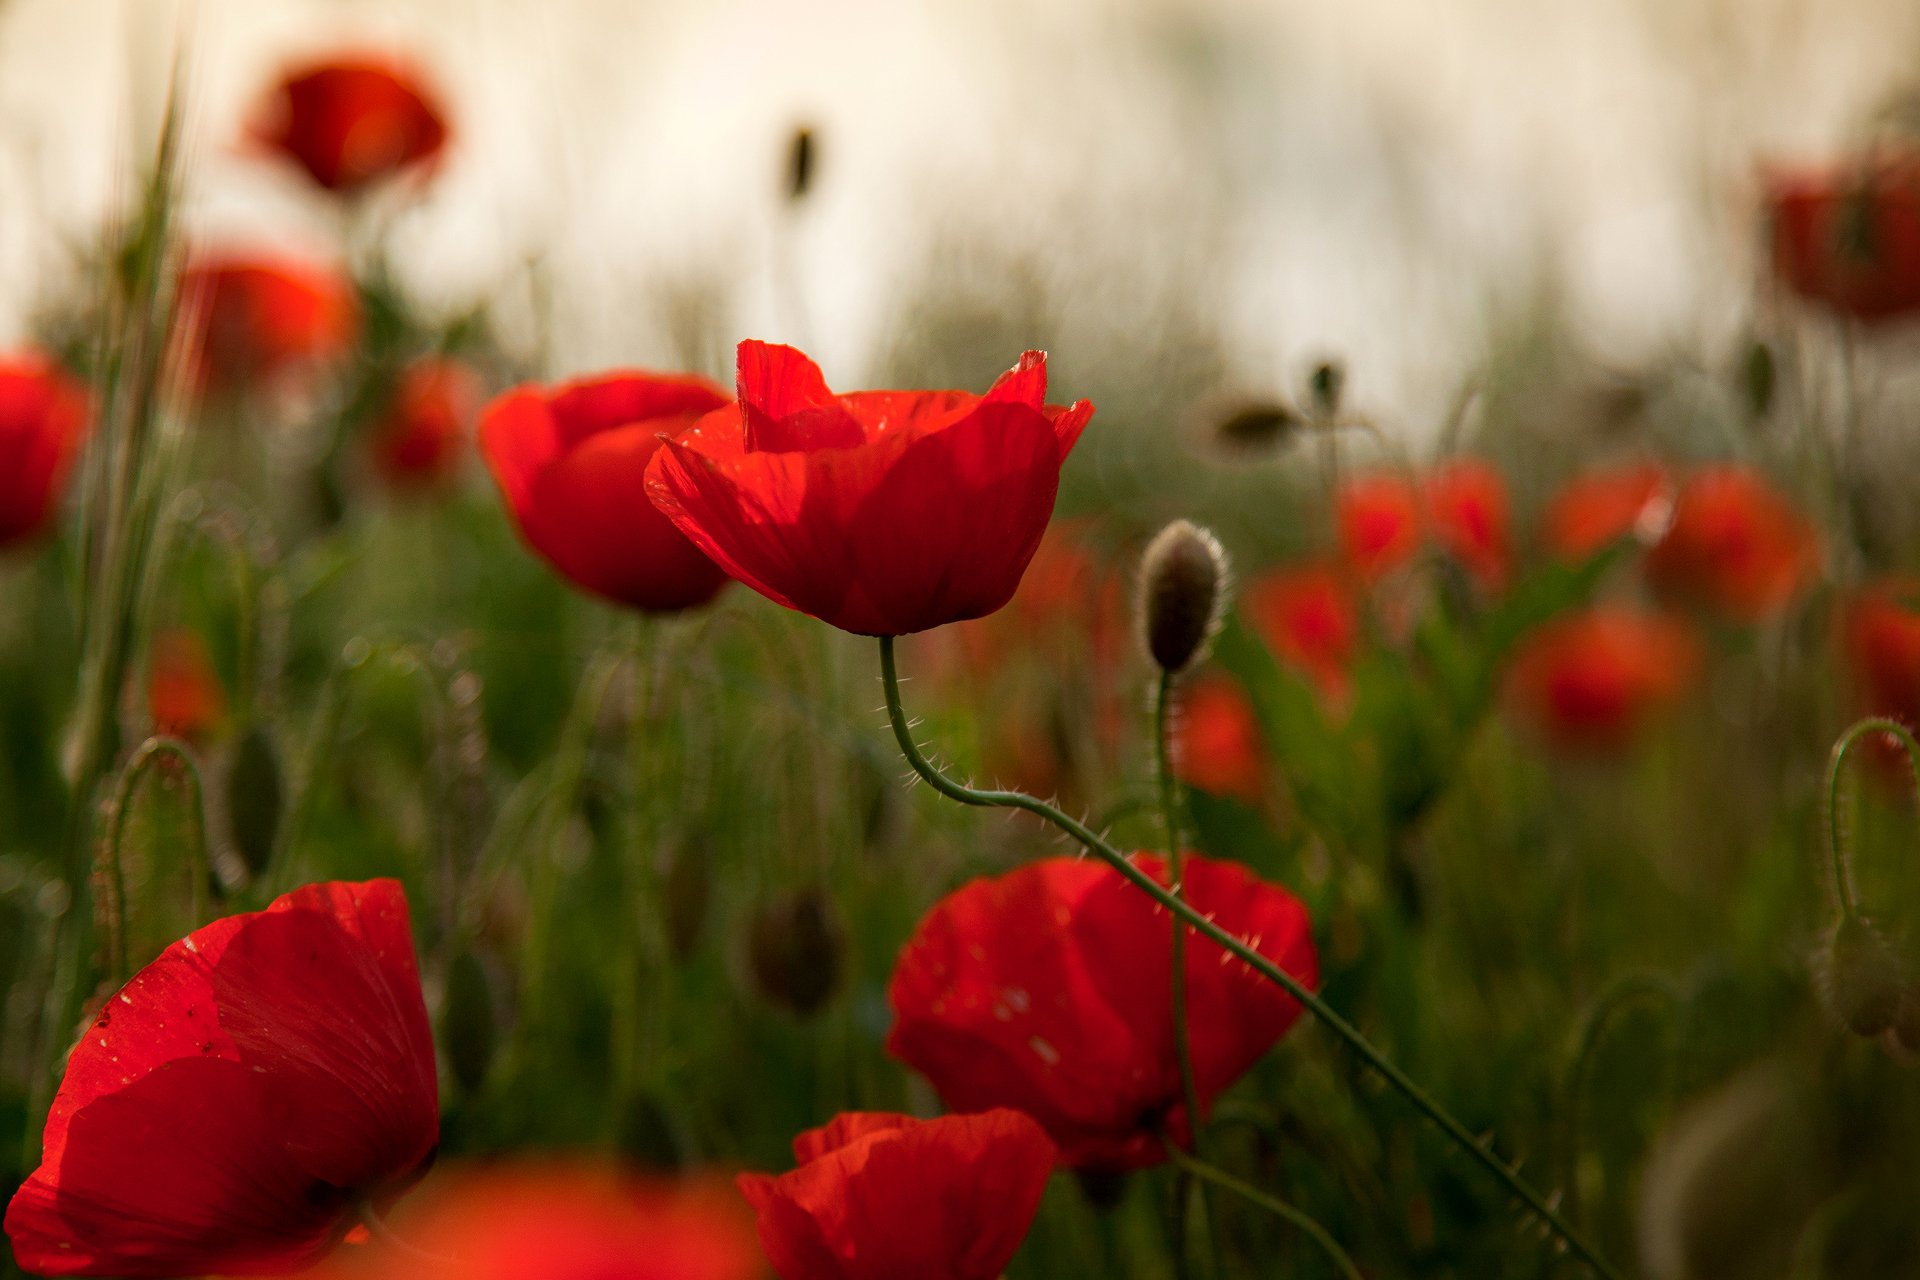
(1012, 799)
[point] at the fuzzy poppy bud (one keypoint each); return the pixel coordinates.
(802, 158)
(254, 798)
(796, 949)
(1183, 589)
(1861, 979)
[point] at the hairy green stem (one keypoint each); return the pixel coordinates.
(1594, 1025)
(1199, 1169)
(1381, 1064)
(143, 759)
(1839, 859)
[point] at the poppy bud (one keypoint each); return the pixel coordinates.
(801, 160)
(469, 1027)
(796, 949)
(254, 798)
(1183, 589)
(1254, 425)
(1861, 979)
(1324, 384)
(686, 890)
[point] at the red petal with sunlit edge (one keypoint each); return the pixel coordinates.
(226, 1108)
(881, 1196)
(44, 417)
(572, 466)
(1034, 990)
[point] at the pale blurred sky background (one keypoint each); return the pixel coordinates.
(1378, 178)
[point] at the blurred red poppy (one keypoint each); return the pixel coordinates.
(571, 462)
(420, 438)
(879, 1196)
(44, 416)
(1880, 640)
(1735, 544)
(1377, 518)
(1591, 681)
(351, 120)
(227, 1109)
(1601, 505)
(250, 321)
(1217, 745)
(879, 512)
(1049, 990)
(184, 695)
(1849, 239)
(565, 1222)
(1466, 504)
(1306, 615)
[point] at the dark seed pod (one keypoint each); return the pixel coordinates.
(1758, 377)
(802, 159)
(1861, 978)
(1183, 591)
(1325, 384)
(469, 1024)
(254, 798)
(796, 949)
(686, 891)
(1254, 425)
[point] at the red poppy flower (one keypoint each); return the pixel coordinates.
(1377, 516)
(1049, 990)
(1599, 506)
(1217, 745)
(184, 696)
(1466, 503)
(44, 416)
(1591, 681)
(1736, 544)
(1880, 638)
(1850, 239)
(418, 441)
(880, 512)
(351, 120)
(571, 462)
(880, 1196)
(566, 1222)
(1306, 615)
(225, 1111)
(253, 320)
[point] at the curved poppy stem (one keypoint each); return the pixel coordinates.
(1346, 1031)
(1594, 1026)
(1194, 1167)
(114, 871)
(385, 1236)
(1839, 857)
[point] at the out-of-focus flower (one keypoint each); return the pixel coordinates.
(1879, 631)
(351, 120)
(1466, 506)
(1600, 505)
(184, 695)
(1591, 681)
(879, 1196)
(571, 462)
(1377, 519)
(1216, 739)
(227, 1109)
(253, 320)
(1049, 990)
(566, 1222)
(1849, 239)
(1306, 615)
(419, 440)
(1735, 544)
(44, 416)
(879, 512)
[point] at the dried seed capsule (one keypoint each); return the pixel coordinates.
(1253, 425)
(802, 159)
(1183, 591)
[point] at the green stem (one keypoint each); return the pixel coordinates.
(1839, 859)
(135, 769)
(1501, 1171)
(1196, 1168)
(1593, 1030)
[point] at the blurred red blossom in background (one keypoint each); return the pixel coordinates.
(571, 462)
(351, 120)
(1880, 644)
(1591, 681)
(1049, 989)
(1467, 508)
(184, 694)
(421, 438)
(878, 512)
(1735, 544)
(878, 1196)
(1377, 521)
(44, 418)
(1216, 739)
(1307, 615)
(230, 1107)
(1600, 505)
(1848, 238)
(252, 320)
